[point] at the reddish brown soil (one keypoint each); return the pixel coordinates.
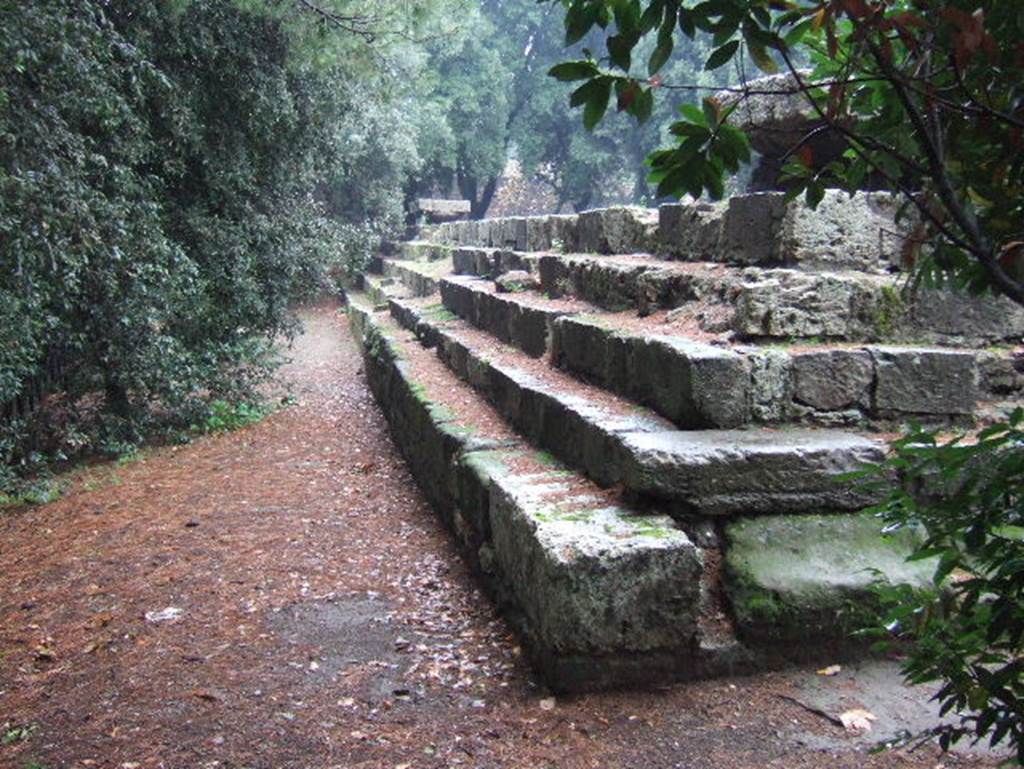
(325, 622)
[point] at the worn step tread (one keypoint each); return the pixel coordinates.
(701, 380)
(601, 434)
(420, 278)
(789, 577)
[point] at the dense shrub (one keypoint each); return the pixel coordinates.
(173, 176)
(968, 630)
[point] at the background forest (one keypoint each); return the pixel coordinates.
(175, 175)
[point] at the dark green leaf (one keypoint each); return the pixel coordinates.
(659, 56)
(574, 70)
(597, 103)
(722, 55)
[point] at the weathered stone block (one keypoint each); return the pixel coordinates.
(471, 260)
(458, 298)
(609, 285)
(691, 230)
(474, 472)
(832, 380)
(529, 328)
(807, 578)
(511, 233)
(589, 349)
(564, 232)
(1001, 374)
(618, 230)
(843, 232)
(718, 472)
(771, 384)
(785, 304)
(516, 281)
(514, 261)
(659, 288)
(594, 579)
(750, 227)
(693, 384)
(538, 233)
(924, 381)
(958, 318)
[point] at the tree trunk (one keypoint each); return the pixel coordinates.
(479, 207)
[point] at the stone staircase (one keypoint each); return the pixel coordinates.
(637, 423)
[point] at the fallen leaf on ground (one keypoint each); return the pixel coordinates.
(547, 703)
(170, 614)
(857, 720)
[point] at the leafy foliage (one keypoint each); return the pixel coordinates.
(969, 630)
(928, 96)
(492, 102)
(173, 177)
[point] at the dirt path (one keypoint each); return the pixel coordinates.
(323, 619)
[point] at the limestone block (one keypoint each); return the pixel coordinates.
(771, 383)
(691, 230)
(530, 328)
(591, 350)
(925, 381)
(693, 384)
(516, 281)
(538, 233)
(832, 380)
(659, 288)
(1001, 374)
(594, 579)
(750, 228)
(470, 260)
(564, 232)
(956, 317)
(843, 232)
(785, 304)
(807, 578)
(511, 233)
(458, 298)
(618, 230)
(720, 472)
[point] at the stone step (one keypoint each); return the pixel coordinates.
(530, 233)
(790, 578)
(766, 229)
(380, 289)
(420, 278)
(422, 251)
(712, 472)
(603, 593)
(697, 384)
(759, 305)
(523, 319)
(844, 233)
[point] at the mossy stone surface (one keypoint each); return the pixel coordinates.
(803, 578)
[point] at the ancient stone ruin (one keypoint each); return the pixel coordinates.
(636, 422)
